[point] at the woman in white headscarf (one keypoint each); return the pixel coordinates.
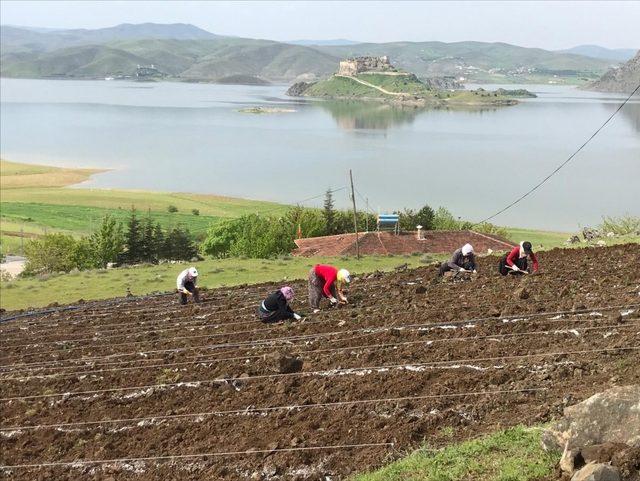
(462, 260)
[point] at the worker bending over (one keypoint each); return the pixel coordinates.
(462, 260)
(187, 285)
(276, 307)
(327, 281)
(516, 261)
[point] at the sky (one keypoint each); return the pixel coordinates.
(551, 25)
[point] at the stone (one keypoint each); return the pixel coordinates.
(612, 416)
(601, 453)
(522, 293)
(421, 290)
(616, 316)
(289, 364)
(590, 234)
(569, 460)
(597, 472)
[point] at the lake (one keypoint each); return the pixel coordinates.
(192, 138)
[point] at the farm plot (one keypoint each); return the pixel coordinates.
(147, 389)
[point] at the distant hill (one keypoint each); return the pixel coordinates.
(16, 37)
(187, 52)
(331, 42)
(481, 61)
(595, 51)
(623, 79)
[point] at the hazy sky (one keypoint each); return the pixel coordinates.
(551, 25)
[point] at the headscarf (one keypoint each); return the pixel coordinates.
(287, 292)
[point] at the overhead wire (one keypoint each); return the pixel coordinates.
(557, 169)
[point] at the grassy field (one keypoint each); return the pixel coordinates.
(37, 199)
(106, 283)
(514, 454)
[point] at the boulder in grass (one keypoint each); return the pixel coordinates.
(612, 416)
(597, 472)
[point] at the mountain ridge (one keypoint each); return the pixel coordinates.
(187, 52)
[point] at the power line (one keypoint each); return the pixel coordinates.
(85, 462)
(266, 409)
(543, 181)
(331, 372)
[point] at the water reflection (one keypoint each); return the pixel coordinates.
(354, 115)
(369, 115)
(631, 113)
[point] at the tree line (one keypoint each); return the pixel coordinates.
(140, 240)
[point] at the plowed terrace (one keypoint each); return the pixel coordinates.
(147, 389)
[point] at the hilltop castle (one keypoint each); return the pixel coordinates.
(356, 65)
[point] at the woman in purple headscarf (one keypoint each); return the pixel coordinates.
(276, 307)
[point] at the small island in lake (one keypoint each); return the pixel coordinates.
(375, 79)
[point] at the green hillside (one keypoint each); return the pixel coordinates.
(479, 61)
(403, 90)
(188, 53)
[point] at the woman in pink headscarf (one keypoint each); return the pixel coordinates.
(276, 307)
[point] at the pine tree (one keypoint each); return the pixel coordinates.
(329, 213)
(148, 242)
(158, 242)
(107, 243)
(133, 239)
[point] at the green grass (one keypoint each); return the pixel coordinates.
(83, 220)
(514, 454)
(35, 198)
(539, 239)
(103, 284)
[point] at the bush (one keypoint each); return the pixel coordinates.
(624, 225)
(409, 218)
(195, 211)
(50, 253)
(172, 209)
(107, 243)
(444, 220)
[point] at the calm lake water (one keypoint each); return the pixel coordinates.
(191, 138)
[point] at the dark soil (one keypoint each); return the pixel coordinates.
(481, 356)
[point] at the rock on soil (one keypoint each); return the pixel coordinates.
(597, 472)
(284, 363)
(612, 416)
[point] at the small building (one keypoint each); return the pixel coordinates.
(356, 65)
(148, 71)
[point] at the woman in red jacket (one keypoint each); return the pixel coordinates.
(327, 281)
(515, 262)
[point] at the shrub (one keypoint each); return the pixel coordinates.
(195, 211)
(172, 209)
(50, 253)
(624, 225)
(107, 243)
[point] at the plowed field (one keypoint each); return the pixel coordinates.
(148, 389)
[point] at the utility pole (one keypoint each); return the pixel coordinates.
(355, 215)
(366, 219)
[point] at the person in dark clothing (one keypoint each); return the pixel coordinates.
(516, 261)
(276, 307)
(462, 260)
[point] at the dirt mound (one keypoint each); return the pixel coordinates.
(200, 393)
(383, 243)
